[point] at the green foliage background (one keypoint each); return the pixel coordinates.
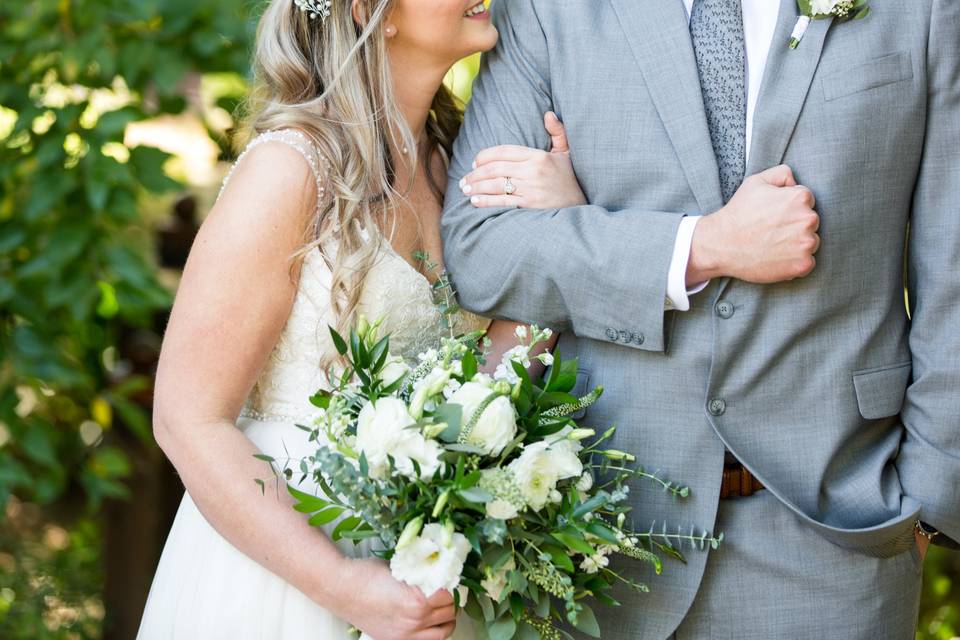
(77, 269)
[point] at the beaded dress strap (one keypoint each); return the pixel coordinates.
(292, 138)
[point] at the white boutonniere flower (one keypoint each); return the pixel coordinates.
(841, 10)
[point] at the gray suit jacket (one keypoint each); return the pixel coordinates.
(844, 406)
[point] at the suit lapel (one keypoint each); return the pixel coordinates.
(659, 36)
(783, 92)
(786, 83)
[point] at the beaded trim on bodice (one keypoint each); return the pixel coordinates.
(393, 291)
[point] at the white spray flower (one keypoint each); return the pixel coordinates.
(431, 561)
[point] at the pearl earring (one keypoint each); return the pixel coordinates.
(390, 31)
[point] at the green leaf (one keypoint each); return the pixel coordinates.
(452, 414)
(574, 541)
(325, 517)
(502, 629)
(347, 524)
(603, 532)
(307, 503)
(560, 558)
(469, 365)
(587, 622)
(147, 163)
(338, 341)
(379, 353)
(475, 494)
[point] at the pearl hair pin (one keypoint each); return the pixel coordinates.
(315, 8)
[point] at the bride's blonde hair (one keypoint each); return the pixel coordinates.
(331, 80)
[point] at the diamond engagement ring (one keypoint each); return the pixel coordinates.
(509, 188)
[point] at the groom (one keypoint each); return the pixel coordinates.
(816, 422)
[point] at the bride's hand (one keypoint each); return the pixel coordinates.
(538, 179)
(385, 609)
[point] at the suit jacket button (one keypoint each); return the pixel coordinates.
(638, 339)
(612, 334)
(717, 407)
(725, 309)
(624, 336)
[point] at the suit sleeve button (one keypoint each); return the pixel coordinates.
(612, 334)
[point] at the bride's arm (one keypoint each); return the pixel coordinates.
(543, 180)
(233, 301)
(537, 179)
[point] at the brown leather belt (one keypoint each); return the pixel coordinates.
(738, 482)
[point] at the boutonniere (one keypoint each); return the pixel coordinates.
(842, 10)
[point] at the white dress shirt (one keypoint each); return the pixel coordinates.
(759, 23)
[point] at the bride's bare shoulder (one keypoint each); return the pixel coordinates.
(277, 172)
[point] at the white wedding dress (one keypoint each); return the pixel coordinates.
(206, 589)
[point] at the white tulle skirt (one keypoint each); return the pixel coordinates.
(206, 589)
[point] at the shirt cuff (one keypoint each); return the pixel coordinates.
(677, 292)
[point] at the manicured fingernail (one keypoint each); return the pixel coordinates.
(463, 181)
(467, 189)
(475, 200)
(474, 164)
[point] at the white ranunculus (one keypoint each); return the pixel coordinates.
(387, 429)
(501, 509)
(541, 466)
(496, 582)
(431, 561)
(393, 370)
(497, 425)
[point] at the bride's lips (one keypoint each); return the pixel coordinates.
(477, 12)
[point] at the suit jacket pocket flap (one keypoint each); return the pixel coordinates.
(880, 391)
(869, 75)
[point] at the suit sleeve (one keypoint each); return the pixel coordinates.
(929, 459)
(599, 273)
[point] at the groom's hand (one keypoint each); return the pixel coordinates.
(766, 233)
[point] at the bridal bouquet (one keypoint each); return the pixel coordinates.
(481, 485)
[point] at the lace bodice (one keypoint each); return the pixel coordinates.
(393, 291)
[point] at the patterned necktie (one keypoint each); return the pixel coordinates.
(717, 30)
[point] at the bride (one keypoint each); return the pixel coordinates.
(318, 222)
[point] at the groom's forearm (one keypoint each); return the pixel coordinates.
(600, 274)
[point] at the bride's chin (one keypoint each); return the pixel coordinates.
(485, 42)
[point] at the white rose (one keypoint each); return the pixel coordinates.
(431, 561)
(540, 467)
(387, 429)
(496, 582)
(823, 7)
(497, 425)
(501, 509)
(395, 369)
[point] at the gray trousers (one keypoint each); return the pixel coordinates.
(774, 578)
